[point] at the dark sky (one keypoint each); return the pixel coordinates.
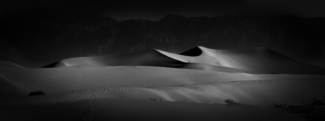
(156, 9)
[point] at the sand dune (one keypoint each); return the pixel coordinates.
(249, 60)
(144, 58)
(260, 60)
(200, 75)
(119, 91)
(9, 90)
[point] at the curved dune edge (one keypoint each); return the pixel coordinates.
(7, 64)
(144, 58)
(9, 90)
(205, 57)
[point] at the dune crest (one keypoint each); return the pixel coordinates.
(7, 64)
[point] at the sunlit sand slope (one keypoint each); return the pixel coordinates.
(9, 90)
(144, 58)
(261, 60)
(172, 84)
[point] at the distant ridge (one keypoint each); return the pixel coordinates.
(179, 33)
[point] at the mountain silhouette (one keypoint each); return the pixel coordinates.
(87, 33)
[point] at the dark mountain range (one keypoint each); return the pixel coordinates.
(36, 39)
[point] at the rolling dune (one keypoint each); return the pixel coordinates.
(144, 58)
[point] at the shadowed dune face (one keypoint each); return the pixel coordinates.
(196, 51)
(9, 90)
